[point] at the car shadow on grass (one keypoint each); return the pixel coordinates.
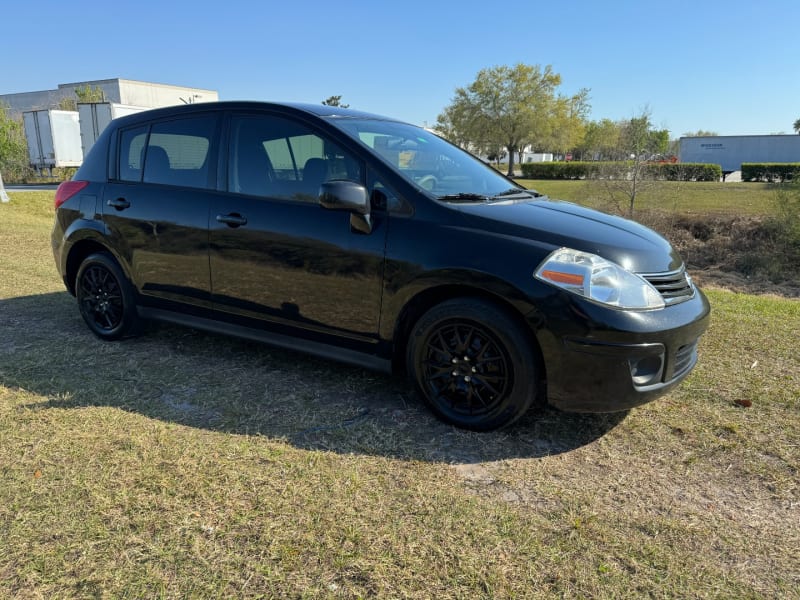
(223, 384)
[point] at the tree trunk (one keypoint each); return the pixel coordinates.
(510, 149)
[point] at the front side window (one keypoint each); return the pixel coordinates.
(280, 158)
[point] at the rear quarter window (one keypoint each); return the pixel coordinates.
(131, 151)
(177, 152)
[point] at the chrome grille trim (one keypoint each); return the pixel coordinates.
(674, 286)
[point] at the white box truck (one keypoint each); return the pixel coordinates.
(95, 117)
(54, 138)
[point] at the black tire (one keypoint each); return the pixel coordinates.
(472, 364)
(106, 298)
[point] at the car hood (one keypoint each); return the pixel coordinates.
(563, 224)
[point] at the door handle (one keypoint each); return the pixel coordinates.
(119, 203)
(232, 220)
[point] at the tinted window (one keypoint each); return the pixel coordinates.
(131, 146)
(424, 159)
(178, 152)
(276, 157)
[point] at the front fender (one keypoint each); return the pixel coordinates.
(416, 295)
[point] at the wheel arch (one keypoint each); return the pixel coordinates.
(78, 253)
(426, 299)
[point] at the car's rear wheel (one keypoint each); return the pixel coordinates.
(106, 298)
(472, 364)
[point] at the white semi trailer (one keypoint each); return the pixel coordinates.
(95, 117)
(54, 138)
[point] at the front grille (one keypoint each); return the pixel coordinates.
(684, 359)
(674, 287)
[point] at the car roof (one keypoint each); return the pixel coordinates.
(319, 110)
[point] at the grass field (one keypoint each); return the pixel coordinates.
(685, 198)
(186, 465)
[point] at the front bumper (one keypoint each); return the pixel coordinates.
(601, 360)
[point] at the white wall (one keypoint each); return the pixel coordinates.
(153, 95)
(731, 151)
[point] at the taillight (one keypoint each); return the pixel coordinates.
(67, 189)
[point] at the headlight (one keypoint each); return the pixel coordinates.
(598, 279)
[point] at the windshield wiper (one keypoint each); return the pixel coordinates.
(464, 196)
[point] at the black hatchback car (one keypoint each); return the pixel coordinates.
(370, 241)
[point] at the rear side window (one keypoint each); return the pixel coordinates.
(174, 153)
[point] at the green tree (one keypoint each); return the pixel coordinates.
(335, 101)
(659, 141)
(13, 147)
(67, 103)
(796, 126)
(87, 93)
(566, 124)
(600, 140)
(507, 107)
(83, 93)
(454, 124)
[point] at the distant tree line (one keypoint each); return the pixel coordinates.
(507, 109)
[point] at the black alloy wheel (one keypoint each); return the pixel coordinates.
(472, 365)
(105, 298)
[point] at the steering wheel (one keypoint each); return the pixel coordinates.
(428, 182)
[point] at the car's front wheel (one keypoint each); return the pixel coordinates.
(105, 297)
(472, 364)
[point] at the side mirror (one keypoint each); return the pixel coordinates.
(341, 194)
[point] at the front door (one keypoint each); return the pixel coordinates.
(275, 253)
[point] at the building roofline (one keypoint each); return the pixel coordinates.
(151, 83)
(752, 135)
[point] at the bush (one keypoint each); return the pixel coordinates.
(777, 255)
(13, 147)
(562, 170)
(685, 172)
(772, 172)
(787, 223)
(620, 169)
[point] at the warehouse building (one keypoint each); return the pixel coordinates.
(120, 91)
(730, 151)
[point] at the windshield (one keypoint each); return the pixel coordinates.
(427, 161)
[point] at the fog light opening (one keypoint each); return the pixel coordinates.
(647, 371)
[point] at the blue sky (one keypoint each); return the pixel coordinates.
(728, 66)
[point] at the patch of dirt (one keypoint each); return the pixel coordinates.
(743, 254)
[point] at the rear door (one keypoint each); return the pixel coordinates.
(276, 255)
(157, 207)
